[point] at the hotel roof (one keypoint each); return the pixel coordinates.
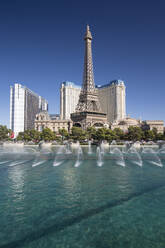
(67, 83)
(113, 82)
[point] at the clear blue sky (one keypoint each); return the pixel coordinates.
(42, 45)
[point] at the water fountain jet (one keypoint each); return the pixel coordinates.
(150, 154)
(119, 156)
(112, 146)
(67, 148)
(79, 157)
(89, 147)
(57, 160)
(99, 157)
(133, 154)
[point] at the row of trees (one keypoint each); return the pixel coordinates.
(5, 133)
(36, 136)
(133, 134)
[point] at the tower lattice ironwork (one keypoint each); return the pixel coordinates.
(88, 111)
(88, 100)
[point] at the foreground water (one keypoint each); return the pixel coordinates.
(89, 206)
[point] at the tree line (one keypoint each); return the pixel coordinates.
(133, 134)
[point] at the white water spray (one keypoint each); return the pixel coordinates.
(99, 157)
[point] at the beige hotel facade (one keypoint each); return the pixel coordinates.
(111, 97)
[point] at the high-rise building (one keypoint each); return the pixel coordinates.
(112, 99)
(24, 105)
(69, 96)
(88, 111)
(43, 104)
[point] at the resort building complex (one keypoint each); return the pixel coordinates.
(86, 106)
(111, 96)
(100, 106)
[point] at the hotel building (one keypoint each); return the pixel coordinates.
(112, 100)
(24, 105)
(69, 96)
(111, 97)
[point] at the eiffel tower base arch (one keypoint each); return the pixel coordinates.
(89, 119)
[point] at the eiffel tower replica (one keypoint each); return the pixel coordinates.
(88, 111)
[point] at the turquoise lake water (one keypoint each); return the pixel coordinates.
(85, 207)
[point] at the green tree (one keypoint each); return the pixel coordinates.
(91, 132)
(29, 135)
(135, 133)
(4, 133)
(78, 134)
(101, 133)
(35, 135)
(109, 134)
(20, 136)
(155, 131)
(160, 136)
(118, 133)
(64, 133)
(48, 135)
(149, 135)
